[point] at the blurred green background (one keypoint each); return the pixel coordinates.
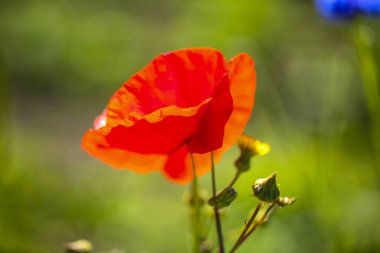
(62, 60)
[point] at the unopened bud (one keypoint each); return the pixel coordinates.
(285, 201)
(243, 163)
(249, 147)
(80, 246)
(224, 198)
(266, 189)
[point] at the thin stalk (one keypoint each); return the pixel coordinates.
(259, 221)
(197, 210)
(247, 226)
(234, 179)
(216, 210)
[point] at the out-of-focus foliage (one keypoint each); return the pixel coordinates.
(61, 60)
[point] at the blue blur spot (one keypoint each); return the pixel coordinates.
(336, 9)
(347, 9)
(368, 7)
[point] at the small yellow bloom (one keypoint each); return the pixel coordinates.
(249, 147)
(255, 147)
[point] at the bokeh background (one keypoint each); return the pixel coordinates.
(61, 61)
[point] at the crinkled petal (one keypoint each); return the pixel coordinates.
(160, 132)
(243, 86)
(209, 135)
(182, 78)
(96, 144)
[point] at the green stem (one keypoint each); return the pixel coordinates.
(247, 226)
(216, 210)
(197, 210)
(234, 179)
(260, 221)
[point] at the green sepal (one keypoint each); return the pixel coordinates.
(265, 189)
(224, 198)
(243, 163)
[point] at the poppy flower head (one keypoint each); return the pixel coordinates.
(186, 101)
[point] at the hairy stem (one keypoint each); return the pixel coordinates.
(216, 210)
(234, 179)
(196, 216)
(247, 226)
(259, 221)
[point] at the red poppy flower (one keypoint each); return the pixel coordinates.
(186, 101)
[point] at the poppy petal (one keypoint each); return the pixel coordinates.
(243, 85)
(183, 78)
(179, 167)
(96, 144)
(101, 120)
(209, 135)
(160, 132)
(176, 168)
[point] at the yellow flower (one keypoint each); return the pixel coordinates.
(255, 147)
(249, 147)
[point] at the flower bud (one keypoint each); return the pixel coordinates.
(80, 246)
(285, 201)
(224, 198)
(249, 147)
(266, 189)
